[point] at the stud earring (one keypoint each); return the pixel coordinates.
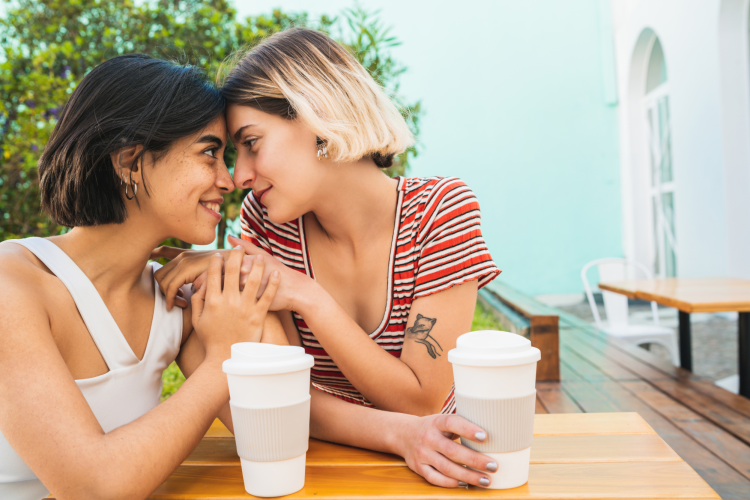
(322, 148)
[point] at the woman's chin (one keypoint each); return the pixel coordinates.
(200, 238)
(281, 216)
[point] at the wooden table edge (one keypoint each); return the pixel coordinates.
(622, 291)
(687, 307)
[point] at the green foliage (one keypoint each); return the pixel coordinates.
(369, 41)
(484, 320)
(47, 47)
(172, 378)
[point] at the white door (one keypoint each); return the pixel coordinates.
(662, 190)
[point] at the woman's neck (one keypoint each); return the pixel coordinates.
(113, 256)
(357, 203)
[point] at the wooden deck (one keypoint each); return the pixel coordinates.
(706, 425)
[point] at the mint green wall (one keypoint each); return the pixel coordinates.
(515, 97)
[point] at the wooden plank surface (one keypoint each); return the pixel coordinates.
(644, 365)
(546, 449)
(582, 348)
(590, 424)
(218, 429)
(581, 424)
(651, 480)
(555, 399)
(688, 294)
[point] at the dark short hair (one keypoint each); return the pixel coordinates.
(128, 100)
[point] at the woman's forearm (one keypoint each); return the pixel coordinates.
(332, 419)
(382, 378)
(133, 460)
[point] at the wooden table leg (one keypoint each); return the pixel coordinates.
(743, 322)
(686, 352)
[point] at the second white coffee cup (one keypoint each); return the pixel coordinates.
(495, 374)
(269, 390)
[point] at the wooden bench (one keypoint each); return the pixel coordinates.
(530, 318)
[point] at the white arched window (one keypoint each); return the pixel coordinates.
(662, 190)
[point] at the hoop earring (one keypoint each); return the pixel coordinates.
(322, 148)
(135, 188)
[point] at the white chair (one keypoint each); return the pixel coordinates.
(616, 307)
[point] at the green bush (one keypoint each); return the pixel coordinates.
(484, 320)
(172, 379)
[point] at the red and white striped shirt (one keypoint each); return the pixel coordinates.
(437, 243)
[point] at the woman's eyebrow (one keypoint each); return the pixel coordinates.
(210, 138)
(239, 131)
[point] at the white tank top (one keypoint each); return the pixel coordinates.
(127, 391)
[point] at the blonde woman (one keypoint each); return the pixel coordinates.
(379, 275)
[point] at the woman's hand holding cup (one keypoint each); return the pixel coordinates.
(429, 450)
(225, 315)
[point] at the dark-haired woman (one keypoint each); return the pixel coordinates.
(135, 158)
(379, 275)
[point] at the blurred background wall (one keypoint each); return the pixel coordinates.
(519, 101)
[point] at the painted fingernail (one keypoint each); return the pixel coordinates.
(492, 467)
(484, 481)
(480, 436)
(461, 484)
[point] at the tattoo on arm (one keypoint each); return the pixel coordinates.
(420, 331)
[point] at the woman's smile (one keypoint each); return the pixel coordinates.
(212, 206)
(259, 194)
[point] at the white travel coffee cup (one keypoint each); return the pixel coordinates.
(269, 391)
(495, 375)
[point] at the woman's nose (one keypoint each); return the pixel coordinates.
(244, 174)
(224, 181)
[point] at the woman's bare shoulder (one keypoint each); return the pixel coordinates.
(23, 276)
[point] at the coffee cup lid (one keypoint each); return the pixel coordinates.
(493, 348)
(253, 358)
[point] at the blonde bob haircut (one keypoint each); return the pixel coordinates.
(303, 74)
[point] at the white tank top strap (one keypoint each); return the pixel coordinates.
(101, 325)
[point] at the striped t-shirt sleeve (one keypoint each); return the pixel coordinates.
(251, 221)
(452, 249)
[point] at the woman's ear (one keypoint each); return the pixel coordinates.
(124, 161)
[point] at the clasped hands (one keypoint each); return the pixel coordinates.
(191, 266)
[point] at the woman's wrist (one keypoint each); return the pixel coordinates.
(397, 432)
(215, 357)
(309, 297)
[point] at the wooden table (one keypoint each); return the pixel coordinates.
(588, 455)
(690, 295)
